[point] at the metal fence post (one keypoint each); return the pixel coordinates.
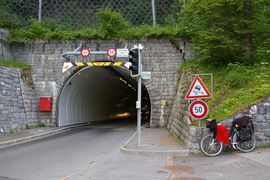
(154, 12)
(39, 10)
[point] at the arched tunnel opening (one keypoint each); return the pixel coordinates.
(95, 94)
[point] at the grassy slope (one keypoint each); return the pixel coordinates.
(14, 64)
(234, 88)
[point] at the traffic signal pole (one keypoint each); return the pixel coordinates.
(138, 103)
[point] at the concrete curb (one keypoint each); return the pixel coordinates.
(32, 138)
(36, 136)
(126, 150)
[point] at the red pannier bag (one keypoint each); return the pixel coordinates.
(222, 134)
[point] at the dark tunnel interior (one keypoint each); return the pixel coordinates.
(96, 94)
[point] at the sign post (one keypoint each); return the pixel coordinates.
(138, 103)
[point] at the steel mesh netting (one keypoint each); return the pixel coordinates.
(18, 11)
(81, 13)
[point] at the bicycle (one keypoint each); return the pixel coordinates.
(211, 146)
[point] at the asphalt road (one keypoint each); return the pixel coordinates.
(92, 152)
(61, 155)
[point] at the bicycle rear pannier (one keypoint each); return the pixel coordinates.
(245, 133)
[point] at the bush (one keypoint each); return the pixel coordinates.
(111, 24)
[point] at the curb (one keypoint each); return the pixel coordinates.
(126, 150)
(31, 138)
(36, 137)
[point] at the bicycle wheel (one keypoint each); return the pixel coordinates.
(246, 146)
(210, 146)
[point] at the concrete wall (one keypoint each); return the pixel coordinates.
(18, 105)
(180, 122)
(159, 57)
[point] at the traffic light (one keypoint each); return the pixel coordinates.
(134, 60)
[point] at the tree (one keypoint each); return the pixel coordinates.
(221, 30)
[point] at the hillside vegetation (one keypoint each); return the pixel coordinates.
(235, 87)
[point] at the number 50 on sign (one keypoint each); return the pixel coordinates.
(198, 109)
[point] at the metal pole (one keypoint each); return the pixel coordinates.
(39, 10)
(154, 12)
(138, 104)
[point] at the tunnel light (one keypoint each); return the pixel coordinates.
(123, 80)
(121, 115)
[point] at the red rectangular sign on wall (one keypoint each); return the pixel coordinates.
(45, 104)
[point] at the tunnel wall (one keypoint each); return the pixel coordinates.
(159, 56)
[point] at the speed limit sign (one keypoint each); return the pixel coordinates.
(198, 109)
(85, 52)
(111, 52)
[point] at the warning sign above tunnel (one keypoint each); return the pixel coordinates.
(198, 90)
(67, 66)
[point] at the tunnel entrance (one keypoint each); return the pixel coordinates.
(96, 94)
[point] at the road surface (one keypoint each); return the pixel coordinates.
(58, 156)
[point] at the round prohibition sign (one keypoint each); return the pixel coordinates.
(111, 52)
(85, 52)
(198, 109)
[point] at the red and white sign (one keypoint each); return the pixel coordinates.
(111, 52)
(198, 90)
(85, 52)
(67, 66)
(198, 109)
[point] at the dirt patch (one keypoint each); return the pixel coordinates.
(176, 170)
(169, 140)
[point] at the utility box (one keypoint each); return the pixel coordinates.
(45, 104)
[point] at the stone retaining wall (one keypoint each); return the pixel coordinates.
(159, 56)
(18, 103)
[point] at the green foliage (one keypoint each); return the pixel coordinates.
(111, 24)
(237, 75)
(261, 26)
(14, 64)
(217, 29)
(250, 83)
(49, 30)
(9, 20)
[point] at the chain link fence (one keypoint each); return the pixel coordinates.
(81, 13)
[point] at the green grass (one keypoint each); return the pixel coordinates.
(236, 86)
(14, 64)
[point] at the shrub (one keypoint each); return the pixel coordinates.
(111, 23)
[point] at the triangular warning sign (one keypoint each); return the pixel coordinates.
(198, 90)
(67, 66)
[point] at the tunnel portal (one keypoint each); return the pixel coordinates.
(94, 94)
